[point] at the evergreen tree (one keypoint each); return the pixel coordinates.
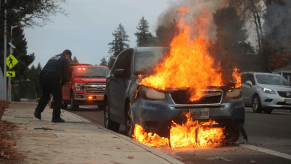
(75, 61)
(103, 62)
(38, 68)
(143, 35)
(118, 44)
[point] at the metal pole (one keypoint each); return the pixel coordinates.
(5, 52)
(9, 79)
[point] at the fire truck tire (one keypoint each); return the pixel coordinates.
(101, 107)
(73, 104)
(129, 124)
(64, 105)
(108, 123)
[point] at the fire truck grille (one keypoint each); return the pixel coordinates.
(95, 87)
(183, 97)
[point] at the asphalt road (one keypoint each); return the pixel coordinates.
(269, 140)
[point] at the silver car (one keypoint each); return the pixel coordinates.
(265, 92)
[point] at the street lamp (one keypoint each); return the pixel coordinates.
(9, 80)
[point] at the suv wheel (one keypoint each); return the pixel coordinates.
(129, 121)
(257, 104)
(108, 123)
(234, 137)
(73, 104)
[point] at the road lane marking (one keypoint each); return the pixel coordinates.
(220, 159)
(268, 151)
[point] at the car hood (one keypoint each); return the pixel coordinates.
(90, 80)
(276, 87)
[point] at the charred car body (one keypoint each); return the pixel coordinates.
(129, 103)
(87, 86)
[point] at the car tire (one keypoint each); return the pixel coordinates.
(74, 106)
(129, 124)
(256, 104)
(268, 110)
(234, 137)
(108, 123)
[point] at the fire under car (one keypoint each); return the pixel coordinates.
(129, 103)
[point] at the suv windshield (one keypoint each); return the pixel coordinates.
(146, 61)
(91, 72)
(272, 80)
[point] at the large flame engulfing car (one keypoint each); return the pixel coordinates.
(174, 97)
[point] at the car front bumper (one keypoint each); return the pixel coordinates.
(154, 116)
(85, 99)
(274, 101)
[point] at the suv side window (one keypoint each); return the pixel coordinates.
(124, 62)
(127, 66)
(120, 62)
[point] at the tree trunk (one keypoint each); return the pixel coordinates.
(258, 33)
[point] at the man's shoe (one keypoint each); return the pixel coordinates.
(37, 115)
(58, 120)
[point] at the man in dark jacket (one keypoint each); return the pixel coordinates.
(52, 78)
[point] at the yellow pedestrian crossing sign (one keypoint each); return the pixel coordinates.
(11, 61)
(10, 73)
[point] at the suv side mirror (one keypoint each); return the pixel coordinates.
(249, 83)
(119, 73)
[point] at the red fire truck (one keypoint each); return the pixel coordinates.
(87, 86)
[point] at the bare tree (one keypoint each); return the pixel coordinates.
(31, 13)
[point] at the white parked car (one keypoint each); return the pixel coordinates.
(265, 91)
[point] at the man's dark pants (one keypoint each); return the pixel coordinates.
(50, 84)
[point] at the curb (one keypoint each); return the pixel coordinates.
(147, 148)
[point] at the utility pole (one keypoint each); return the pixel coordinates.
(5, 53)
(9, 79)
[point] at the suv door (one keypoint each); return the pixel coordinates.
(123, 83)
(113, 84)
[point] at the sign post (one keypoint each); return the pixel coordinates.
(11, 61)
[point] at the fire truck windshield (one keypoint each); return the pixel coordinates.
(91, 72)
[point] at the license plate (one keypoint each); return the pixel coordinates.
(99, 97)
(288, 101)
(201, 113)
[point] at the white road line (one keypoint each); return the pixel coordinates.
(272, 152)
(220, 159)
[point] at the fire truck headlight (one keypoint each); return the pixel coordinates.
(80, 87)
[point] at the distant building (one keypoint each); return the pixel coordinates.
(284, 71)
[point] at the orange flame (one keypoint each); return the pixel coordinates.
(237, 77)
(188, 64)
(190, 134)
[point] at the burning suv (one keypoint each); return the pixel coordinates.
(87, 86)
(129, 100)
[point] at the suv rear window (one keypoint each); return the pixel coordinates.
(91, 72)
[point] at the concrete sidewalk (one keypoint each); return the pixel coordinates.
(76, 141)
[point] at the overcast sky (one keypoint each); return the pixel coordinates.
(88, 28)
